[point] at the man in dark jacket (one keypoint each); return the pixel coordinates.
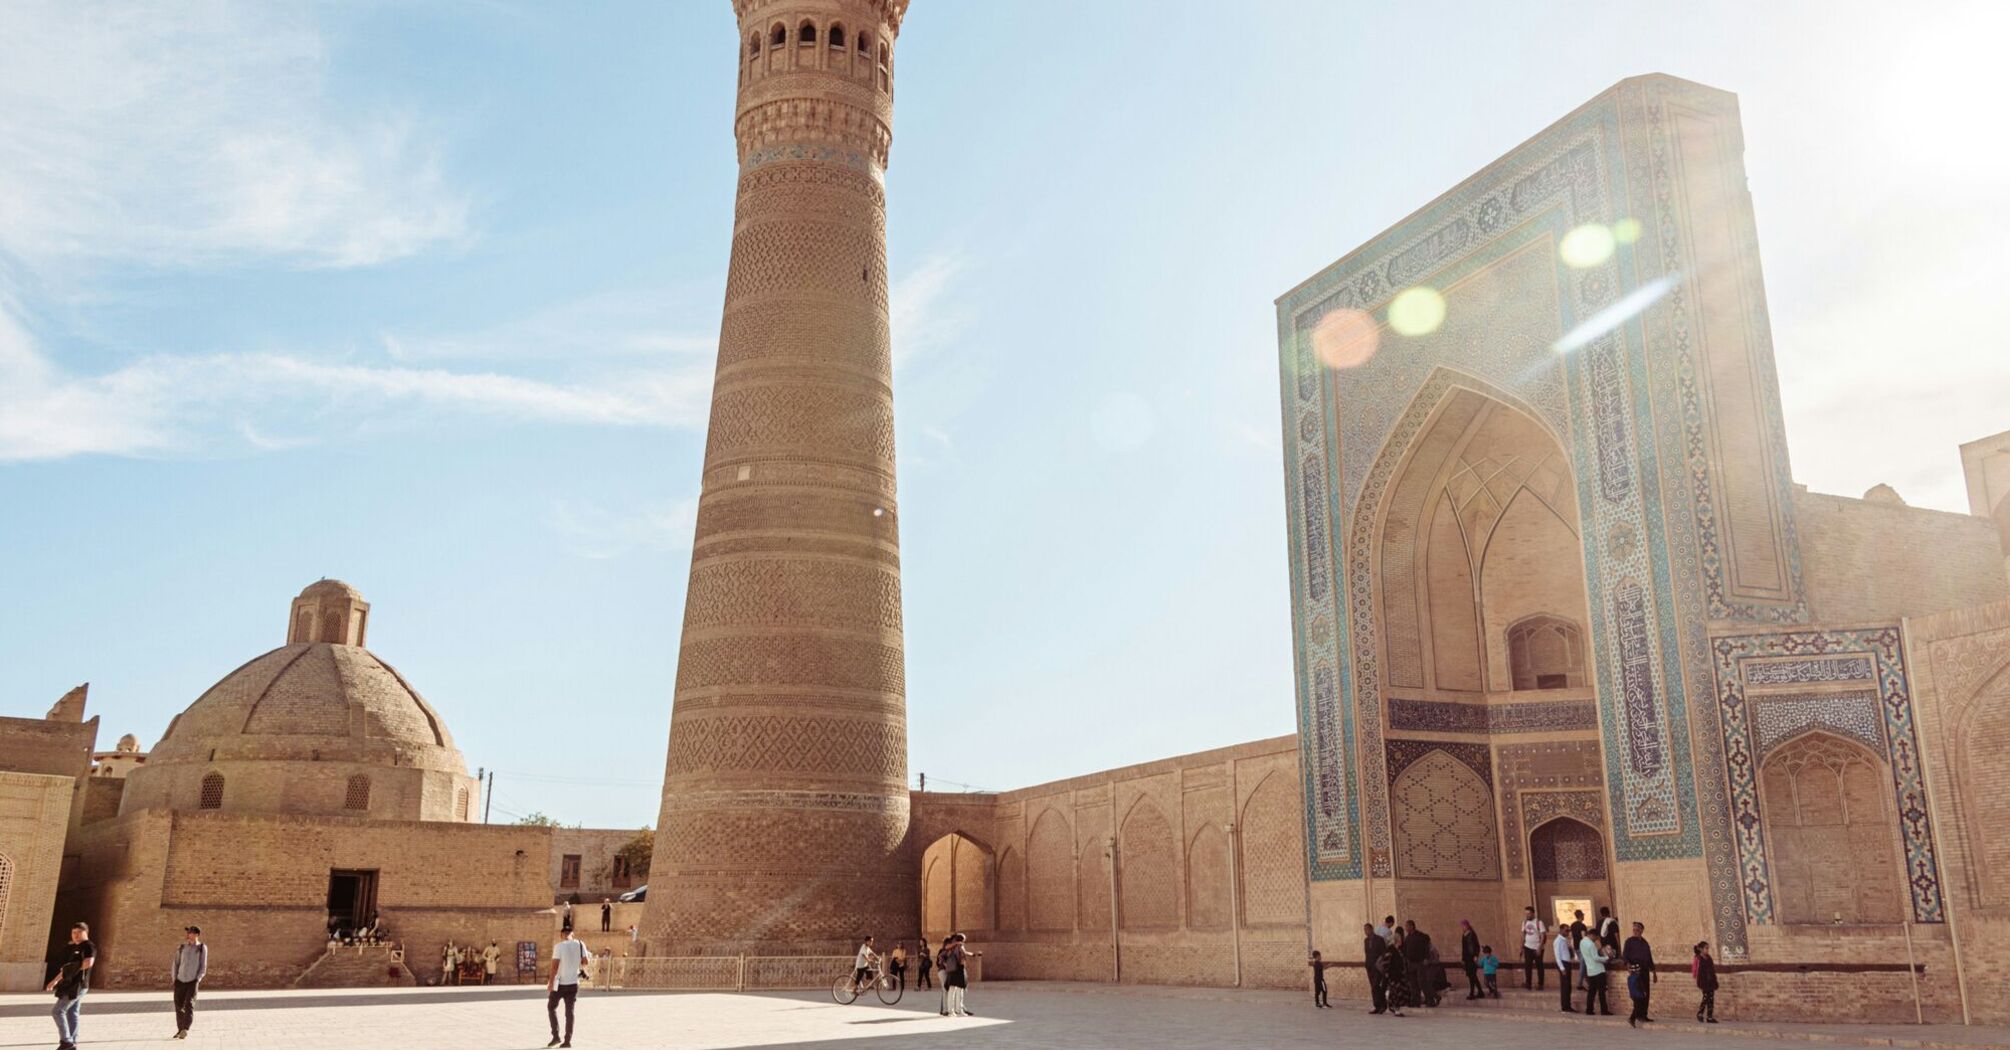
(1640, 975)
(1372, 947)
(1417, 953)
(1469, 959)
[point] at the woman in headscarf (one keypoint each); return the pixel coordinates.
(1396, 974)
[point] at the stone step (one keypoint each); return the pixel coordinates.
(356, 966)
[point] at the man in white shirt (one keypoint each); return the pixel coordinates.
(1593, 954)
(568, 965)
(862, 964)
(1532, 973)
(1566, 964)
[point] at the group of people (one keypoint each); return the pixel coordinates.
(1405, 970)
(457, 963)
(72, 978)
(952, 959)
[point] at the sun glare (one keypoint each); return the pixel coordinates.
(1417, 311)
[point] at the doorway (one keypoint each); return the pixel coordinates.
(352, 900)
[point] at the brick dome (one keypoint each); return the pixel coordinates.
(294, 729)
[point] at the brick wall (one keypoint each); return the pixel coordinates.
(1960, 669)
(1867, 562)
(258, 885)
(34, 812)
(35, 745)
(1175, 880)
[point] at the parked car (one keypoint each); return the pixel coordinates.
(635, 896)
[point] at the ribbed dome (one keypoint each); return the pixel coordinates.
(316, 726)
(338, 702)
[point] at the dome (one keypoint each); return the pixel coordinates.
(314, 726)
(313, 700)
(128, 743)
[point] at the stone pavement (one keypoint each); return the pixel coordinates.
(1014, 1015)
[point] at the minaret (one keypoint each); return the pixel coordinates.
(784, 797)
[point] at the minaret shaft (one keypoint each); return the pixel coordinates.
(784, 796)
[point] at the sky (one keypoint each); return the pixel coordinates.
(424, 296)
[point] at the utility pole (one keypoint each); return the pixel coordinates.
(924, 781)
(491, 799)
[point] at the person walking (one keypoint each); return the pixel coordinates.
(1373, 947)
(1469, 959)
(1417, 953)
(922, 964)
(1319, 981)
(565, 919)
(1566, 964)
(1640, 975)
(568, 967)
(1704, 970)
(1490, 968)
(1396, 972)
(72, 980)
(606, 915)
(956, 974)
(1591, 960)
(1532, 930)
(191, 964)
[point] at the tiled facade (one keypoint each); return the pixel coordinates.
(1606, 434)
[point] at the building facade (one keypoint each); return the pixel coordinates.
(1567, 633)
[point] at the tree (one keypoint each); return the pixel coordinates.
(636, 852)
(537, 820)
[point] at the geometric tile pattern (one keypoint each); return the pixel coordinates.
(1444, 820)
(1536, 777)
(1779, 717)
(1450, 716)
(1814, 661)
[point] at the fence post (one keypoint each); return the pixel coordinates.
(740, 981)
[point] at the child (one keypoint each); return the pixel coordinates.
(1319, 981)
(1490, 965)
(1704, 969)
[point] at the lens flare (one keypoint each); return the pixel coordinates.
(1587, 246)
(1628, 307)
(1417, 311)
(1345, 338)
(1626, 231)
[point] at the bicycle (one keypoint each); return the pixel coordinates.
(846, 991)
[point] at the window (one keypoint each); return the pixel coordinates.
(461, 804)
(778, 35)
(1545, 652)
(807, 34)
(212, 792)
(568, 872)
(864, 45)
(885, 55)
(753, 45)
(358, 796)
(621, 877)
(837, 36)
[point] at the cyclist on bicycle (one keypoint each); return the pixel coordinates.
(863, 965)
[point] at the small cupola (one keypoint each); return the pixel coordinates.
(328, 611)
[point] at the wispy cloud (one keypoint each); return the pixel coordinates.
(920, 313)
(166, 404)
(178, 133)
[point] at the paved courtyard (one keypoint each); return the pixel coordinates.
(1013, 1016)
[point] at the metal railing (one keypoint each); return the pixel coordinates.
(723, 973)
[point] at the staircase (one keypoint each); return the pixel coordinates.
(355, 966)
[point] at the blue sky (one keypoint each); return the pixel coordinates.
(424, 296)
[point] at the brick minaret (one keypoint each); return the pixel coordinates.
(784, 797)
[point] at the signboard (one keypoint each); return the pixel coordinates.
(526, 960)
